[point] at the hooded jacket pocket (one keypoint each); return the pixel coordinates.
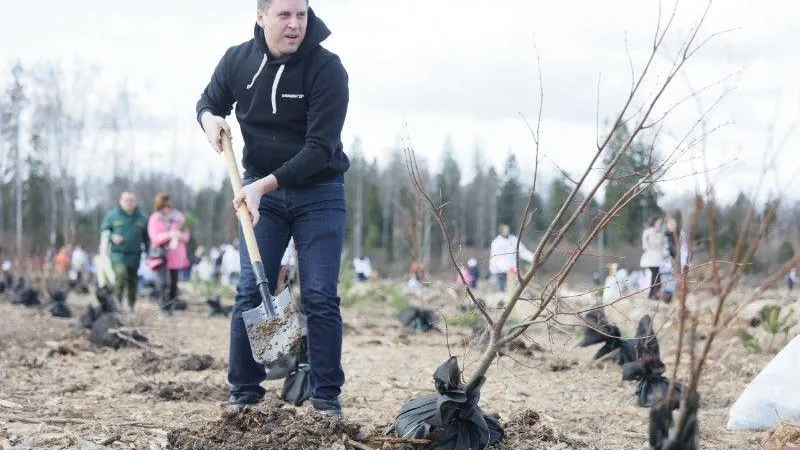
(264, 157)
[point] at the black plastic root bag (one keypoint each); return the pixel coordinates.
(60, 309)
(451, 419)
(648, 368)
(661, 423)
(597, 330)
(296, 386)
(419, 320)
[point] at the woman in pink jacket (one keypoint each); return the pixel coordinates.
(167, 254)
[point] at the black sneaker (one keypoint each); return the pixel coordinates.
(238, 402)
(329, 407)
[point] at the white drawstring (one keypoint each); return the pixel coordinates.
(263, 61)
(275, 89)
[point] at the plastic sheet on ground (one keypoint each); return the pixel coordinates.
(774, 394)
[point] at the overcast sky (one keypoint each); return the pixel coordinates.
(461, 68)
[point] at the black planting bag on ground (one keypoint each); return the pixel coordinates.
(627, 352)
(179, 305)
(100, 335)
(27, 297)
(648, 389)
(88, 318)
(451, 419)
(661, 421)
(105, 296)
(597, 330)
(216, 308)
(297, 385)
(83, 289)
(648, 368)
(20, 284)
(461, 424)
(412, 421)
(418, 320)
(58, 296)
(59, 306)
(60, 309)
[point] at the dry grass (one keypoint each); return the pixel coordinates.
(786, 435)
(585, 406)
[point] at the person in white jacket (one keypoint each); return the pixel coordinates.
(288, 272)
(503, 255)
(653, 253)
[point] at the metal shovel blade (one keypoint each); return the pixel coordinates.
(273, 327)
(273, 338)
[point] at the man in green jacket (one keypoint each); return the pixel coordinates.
(125, 229)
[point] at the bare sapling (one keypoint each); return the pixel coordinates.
(641, 119)
(725, 278)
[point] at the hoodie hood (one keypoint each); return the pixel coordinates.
(316, 32)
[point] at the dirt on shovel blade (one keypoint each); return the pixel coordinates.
(262, 335)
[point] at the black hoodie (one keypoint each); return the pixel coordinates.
(291, 110)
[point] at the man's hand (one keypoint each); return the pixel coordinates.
(117, 239)
(251, 195)
(213, 125)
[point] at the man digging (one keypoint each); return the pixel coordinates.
(291, 100)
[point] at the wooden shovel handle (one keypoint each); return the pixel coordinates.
(241, 212)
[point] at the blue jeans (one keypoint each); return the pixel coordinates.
(315, 217)
(501, 281)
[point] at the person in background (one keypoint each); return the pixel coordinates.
(467, 277)
(686, 253)
(503, 255)
(62, 260)
(791, 279)
(653, 253)
(288, 272)
(168, 254)
(362, 267)
(79, 262)
(416, 275)
(149, 280)
(217, 261)
(229, 270)
(123, 236)
(667, 269)
(474, 272)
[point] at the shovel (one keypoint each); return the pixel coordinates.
(272, 327)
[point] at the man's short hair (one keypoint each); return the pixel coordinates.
(262, 5)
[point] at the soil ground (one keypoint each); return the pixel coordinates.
(56, 391)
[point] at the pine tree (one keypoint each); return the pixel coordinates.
(635, 163)
(509, 202)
